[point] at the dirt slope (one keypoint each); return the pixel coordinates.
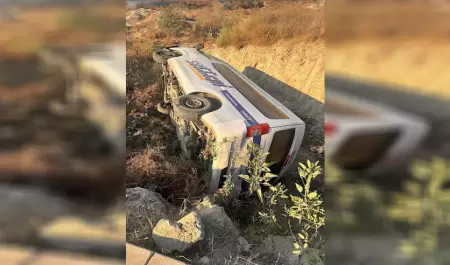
(300, 65)
(403, 44)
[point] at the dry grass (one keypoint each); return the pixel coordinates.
(38, 27)
(368, 19)
(246, 4)
(208, 23)
(403, 44)
(291, 21)
(176, 178)
(171, 20)
(285, 41)
(153, 156)
(265, 26)
(300, 65)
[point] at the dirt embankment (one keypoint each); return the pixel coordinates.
(402, 44)
(300, 65)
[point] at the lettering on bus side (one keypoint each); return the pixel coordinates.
(208, 74)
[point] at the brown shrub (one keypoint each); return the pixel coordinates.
(208, 23)
(236, 4)
(171, 20)
(177, 178)
(267, 26)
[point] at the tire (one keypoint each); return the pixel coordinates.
(191, 107)
(162, 109)
(161, 56)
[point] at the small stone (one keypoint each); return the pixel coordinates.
(204, 261)
(179, 236)
(244, 246)
(281, 247)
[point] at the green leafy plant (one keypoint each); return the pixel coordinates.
(258, 170)
(228, 185)
(308, 209)
(426, 206)
(421, 209)
(269, 215)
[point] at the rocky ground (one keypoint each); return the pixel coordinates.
(203, 235)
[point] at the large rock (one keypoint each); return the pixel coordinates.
(222, 237)
(278, 248)
(179, 236)
(216, 220)
(25, 210)
(144, 209)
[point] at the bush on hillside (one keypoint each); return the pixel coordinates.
(268, 26)
(171, 20)
(236, 4)
(208, 25)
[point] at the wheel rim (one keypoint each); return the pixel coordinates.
(194, 103)
(167, 54)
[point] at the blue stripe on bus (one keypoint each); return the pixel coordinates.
(249, 119)
(257, 139)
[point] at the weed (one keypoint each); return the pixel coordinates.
(419, 213)
(171, 20)
(228, 186)
(211, 150)
(308, 209)
(258, 171)
(425, 205)
(269, 215)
